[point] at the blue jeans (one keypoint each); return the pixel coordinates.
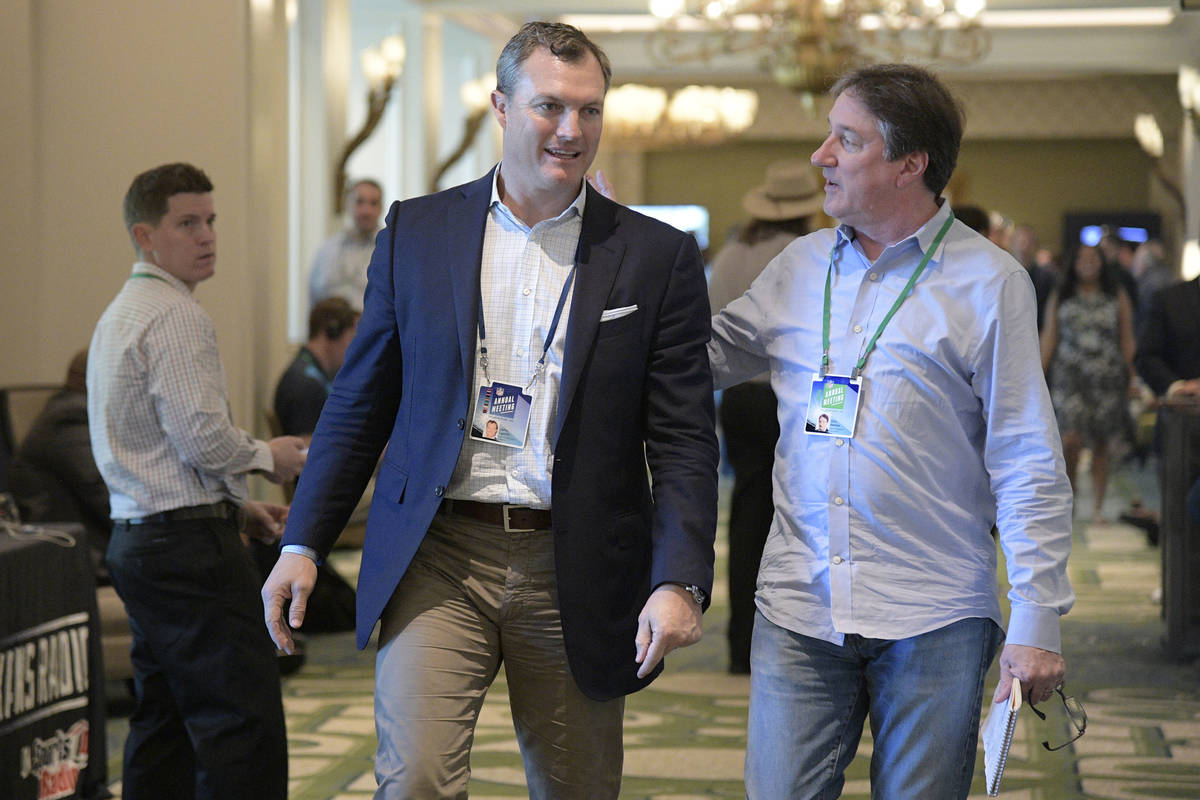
(809, 699)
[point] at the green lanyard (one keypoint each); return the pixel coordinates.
(862, 360)
(148, 275)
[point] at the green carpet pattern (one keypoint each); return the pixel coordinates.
(685, 735)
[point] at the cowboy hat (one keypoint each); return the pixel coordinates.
(790, 192)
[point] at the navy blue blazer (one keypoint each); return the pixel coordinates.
(1168, 349)
(635, 392)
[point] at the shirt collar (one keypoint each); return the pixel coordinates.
(155, 271)
(923, 236)
(575, 208)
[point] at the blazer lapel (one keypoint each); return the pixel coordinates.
(600, 256)
(463, 254)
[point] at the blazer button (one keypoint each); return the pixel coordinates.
(439, 491)
(462, 423)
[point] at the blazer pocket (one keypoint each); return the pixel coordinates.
(391, 484)
(616, 321)
(610, 314)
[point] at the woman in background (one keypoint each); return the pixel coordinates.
(1087, 351)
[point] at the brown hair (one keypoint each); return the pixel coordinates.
(566, 42)
(915, 113)
(146, 200)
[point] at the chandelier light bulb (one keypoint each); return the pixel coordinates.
(804, 42)
(666, 9)
(970, 9)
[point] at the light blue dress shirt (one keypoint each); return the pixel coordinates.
(887, 535)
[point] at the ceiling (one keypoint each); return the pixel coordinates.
(1015, 52)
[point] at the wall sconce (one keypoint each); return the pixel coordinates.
(1150, 138)
(1189, 92)
(700, 112)
(476, 95)
(693, 113)
(381, 66)
(632, 110)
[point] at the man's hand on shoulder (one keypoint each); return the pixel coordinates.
(288, 454)
(1039, 671)
(600, 183)
(670, 619)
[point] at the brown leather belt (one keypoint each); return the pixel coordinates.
(514, 519)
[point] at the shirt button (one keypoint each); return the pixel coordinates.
(873, 276)
(462, 423)
(837, 559)
(439, 491)
(837, 501)
(839, 442)
(515, 473)
(526, 292)
(520, 352)
(858, 328)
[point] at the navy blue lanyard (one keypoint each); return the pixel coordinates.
(541, 364)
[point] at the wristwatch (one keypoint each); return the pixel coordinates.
(695, 591)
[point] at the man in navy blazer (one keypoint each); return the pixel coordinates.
(575, 548)
(1168, 351)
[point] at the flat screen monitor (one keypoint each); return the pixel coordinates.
(1086, 227)
(687, 218)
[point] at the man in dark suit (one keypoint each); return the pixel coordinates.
(1168, 351)
(579, 327)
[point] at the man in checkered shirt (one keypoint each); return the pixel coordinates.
(209, 716)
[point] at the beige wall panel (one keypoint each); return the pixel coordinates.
(19, 264)
(115, 88)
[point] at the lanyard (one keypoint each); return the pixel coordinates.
(314, 370)
(148, 275)
(541, 364)
(862, 360)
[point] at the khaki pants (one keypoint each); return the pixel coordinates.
(475, 597)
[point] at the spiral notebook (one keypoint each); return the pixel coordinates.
(997, 735)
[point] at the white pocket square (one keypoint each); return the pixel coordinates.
(616, 313)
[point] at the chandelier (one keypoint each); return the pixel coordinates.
(806, 44)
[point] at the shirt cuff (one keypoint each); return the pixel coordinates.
(1033, 626)
(302, 550)
(263, 461)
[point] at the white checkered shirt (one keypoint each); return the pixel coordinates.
(523, 273)
(157, 409)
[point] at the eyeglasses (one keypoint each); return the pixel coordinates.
(1075, 713)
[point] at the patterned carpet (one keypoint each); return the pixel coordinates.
(685, 735)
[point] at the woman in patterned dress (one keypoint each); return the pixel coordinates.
(1087, 351)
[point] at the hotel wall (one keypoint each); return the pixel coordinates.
(97, 92)
(1030, 181)
(1033, 149)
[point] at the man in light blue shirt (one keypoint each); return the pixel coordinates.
(877, 588)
